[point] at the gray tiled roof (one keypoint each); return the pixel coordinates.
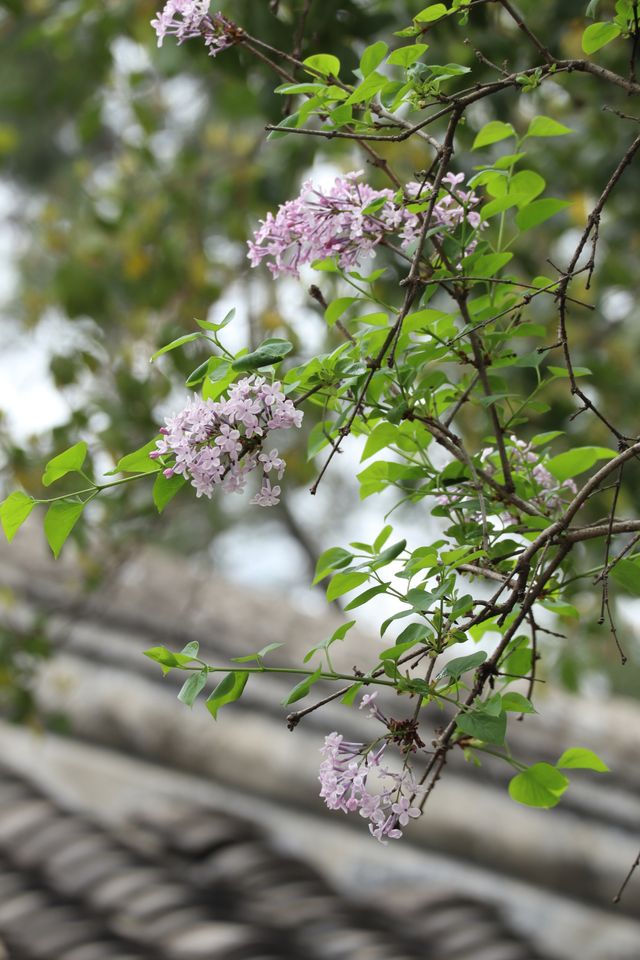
(203, 884)
(129, 741)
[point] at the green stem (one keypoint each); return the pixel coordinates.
(299, 671)
(97, 487)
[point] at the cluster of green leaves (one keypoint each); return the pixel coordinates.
(602, 32)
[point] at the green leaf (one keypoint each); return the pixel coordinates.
(260, 654)
(165, 489)
(193, 686)
(187, 338)
(286, 89)
(397, 650)
(489, 264)
(483, 725)
(351, 694)
(627, 574)
(331, 559)
(336, 308)
(382, 537)
(59, 521)
(191, 649)
(197, 376)
(515, 703)
(14, 511)
(166, 658)
(139, 461)
(228, 691)
(413, 633)
(366, 596)
(367, 89)
(527, 185)
(546, 127)
(431, 13)
(598, 35)
(539, 211)
(381, 436)
(388, 555)
(373, 57)
(420, 600)
(493, 132)
(324, 64)
(69, 461)
(579, 758)
(302, 689)
(270, 351)
(343, 583)
(573, 462)
(221, 377)
(539, 786)
(405, 56)
(291, 121)
(459, 665)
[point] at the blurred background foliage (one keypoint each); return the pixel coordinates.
(131, 179)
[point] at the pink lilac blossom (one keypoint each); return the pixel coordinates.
(550, 488)
(219, 442)
(350, 219)
(344, 773)
(186, 19)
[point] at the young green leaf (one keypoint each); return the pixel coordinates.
(459, 665)
(302, 689)
(193, 686)
(388, 555)
(343, 583)
(324, 64)
(373, 57)
(270, 351)
(539, 211)
(139, 461)
(539, 786)
(598, 35)
(331, 559)
(336, 308)
(351, 694)
(367, 89)
(260, 654)
(69, 461)
(627, 574)
(513, 702)
(190, 649)
(405, 56)
(14, 511)
(180, 341)
(433, 12)
(165, 489)
(292, 120)
(482, 724)
(573, 462)
(367, 595)
(228, 690)
(59, 521)
(382, 537)
(579, 758)
(493, 132)
(546, 127)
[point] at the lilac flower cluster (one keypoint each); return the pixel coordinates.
(185, 19)
(344, 774)
(351, 219)
(219, 442)
(522, 454)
